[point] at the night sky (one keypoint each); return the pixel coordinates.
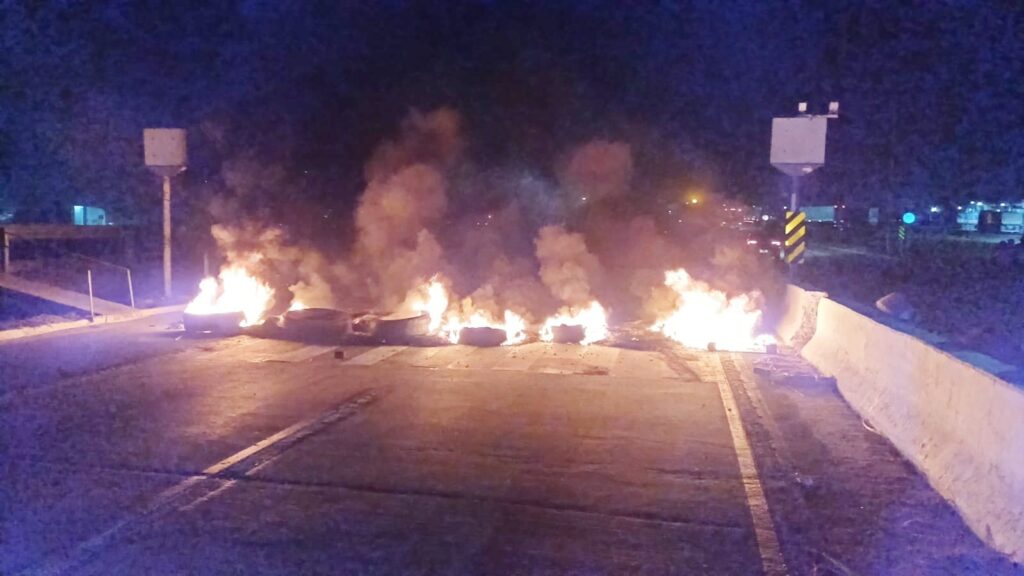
(931, 92)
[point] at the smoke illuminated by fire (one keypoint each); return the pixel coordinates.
(592, 319)
(703, 315)
(594, 238)
(236, 291)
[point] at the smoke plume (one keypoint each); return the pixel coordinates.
(567, 268)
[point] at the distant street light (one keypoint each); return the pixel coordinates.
(166, 154)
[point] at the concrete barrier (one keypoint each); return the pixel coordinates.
(29, 331)
(798, 320)
(962, 427)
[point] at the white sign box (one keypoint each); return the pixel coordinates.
(798, 144)
(165, 147)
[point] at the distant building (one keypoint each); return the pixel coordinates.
(1005, 217)
(89, 216)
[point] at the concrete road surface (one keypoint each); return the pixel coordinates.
(128, 449)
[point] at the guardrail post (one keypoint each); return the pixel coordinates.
(92, 309)
(131, 291)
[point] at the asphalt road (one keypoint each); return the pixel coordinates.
(128, 449)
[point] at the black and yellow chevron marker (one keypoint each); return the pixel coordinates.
(796, 230)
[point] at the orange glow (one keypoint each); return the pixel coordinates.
(236, 291)
(430, 299)
(703, 315)
(592, 318)
(448, 321)
(512, 324)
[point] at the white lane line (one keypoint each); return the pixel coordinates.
(422, 357)
(559, 358)
(772, 561)
(300, 355)
(93, 545)
(520, 358)
(375, 355)
(643, 365)
(438, 357)
(165, 500)
(466, 358)
(600, 358)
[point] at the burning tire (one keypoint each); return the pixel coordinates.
(567, 334)
(481, 336)
(400, 329)
(218, 323)
(320, 322)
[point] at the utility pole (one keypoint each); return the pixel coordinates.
(167, 236)
(166, 155)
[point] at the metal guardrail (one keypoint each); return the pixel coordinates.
(6, 241)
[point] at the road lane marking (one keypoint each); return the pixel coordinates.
(520, 358)
(643, 365)
(269, 453)
(423, 357)
(300, 355)
(375, 355)
(599, 359)
(772, 562)
(465, 357)
(167, 500)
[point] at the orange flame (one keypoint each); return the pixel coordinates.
(703, 315)
(237, 291)
(433, 300)
(430, 299)
(512, 324)
(593, 319)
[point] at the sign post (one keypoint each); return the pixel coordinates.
(166, 155)
(798, 148)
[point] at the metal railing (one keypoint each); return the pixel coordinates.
(92, 312)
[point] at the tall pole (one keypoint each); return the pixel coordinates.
(167, 236)
(794, 193)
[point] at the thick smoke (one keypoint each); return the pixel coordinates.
(497, 239)
(405, 199)
(598, 170)
(394, 245)
(567, 268)
(293, 271)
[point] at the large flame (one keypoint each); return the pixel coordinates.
(512, 324)
(237, 291)
(432, 299)
(592, 318)
(703, 316)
